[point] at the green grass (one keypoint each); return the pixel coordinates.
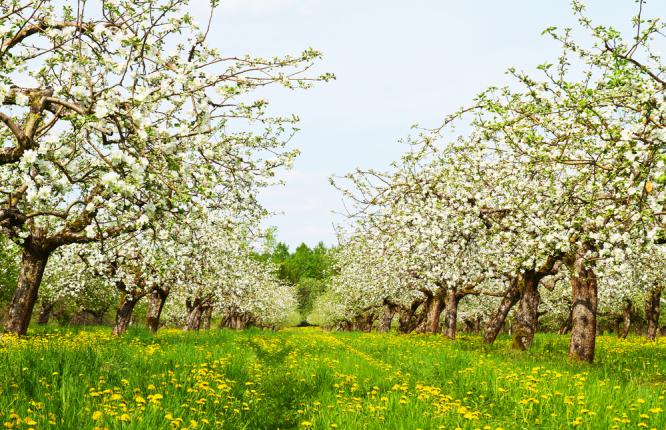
(307, 378)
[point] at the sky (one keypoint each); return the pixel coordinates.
(397, 63)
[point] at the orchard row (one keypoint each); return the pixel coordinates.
(546, 197)
(131, 154)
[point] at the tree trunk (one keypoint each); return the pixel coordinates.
(511, 297)
(451, 313)
(527, 314)
(87, 317)
(363, 322)
(124, 314)
(156, 300)
(423, 325)
(207, 317)
(566, 327)
(45, 312)
(626, 320)
(652, 310)
(435, 311)
(406, 317)
(386, 319)
(194, 313)
(33, 264)
(584, 311)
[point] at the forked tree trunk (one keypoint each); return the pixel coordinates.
(407, 320)
(510, 298)
(387, 317)
(194, 313)
(527, 314)
(626, 319)
(156, 300)
(423, 326)
(23, 302)
(124, 314)
(584, 311)
(451, 313)
(45, 312)
(652, 311)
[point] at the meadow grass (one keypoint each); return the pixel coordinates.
(309, 378)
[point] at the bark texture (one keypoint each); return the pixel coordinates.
(156, 300)
(527, 314)
(652, 311)
(207, 317)
(385, 320)
(23, 302)
(236, 321)
(451, 313)
(407, 317)
(510, 298)
(124, 314)
(194, 313)
(435, 311)
(364, 322)
(584, 311)
(432, 311)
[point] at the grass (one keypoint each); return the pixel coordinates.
(307, 378)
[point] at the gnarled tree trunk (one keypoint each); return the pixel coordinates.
(626, 319)
(510, 298)
(451, 313)
(23, 302)
(422, 325)
(527, 314)
(156, 300)
(207, 317)
(386, 318)
(435, 311)
(652, 311)
(124, 314)
(584, 311)
(363, 322)
(194, 313)
(407, 320)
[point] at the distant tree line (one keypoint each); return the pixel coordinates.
(308, 269)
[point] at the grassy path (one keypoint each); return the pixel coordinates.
(307, 378)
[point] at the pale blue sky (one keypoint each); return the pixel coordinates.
(397, 63)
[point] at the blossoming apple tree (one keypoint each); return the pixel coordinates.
(114, 114)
